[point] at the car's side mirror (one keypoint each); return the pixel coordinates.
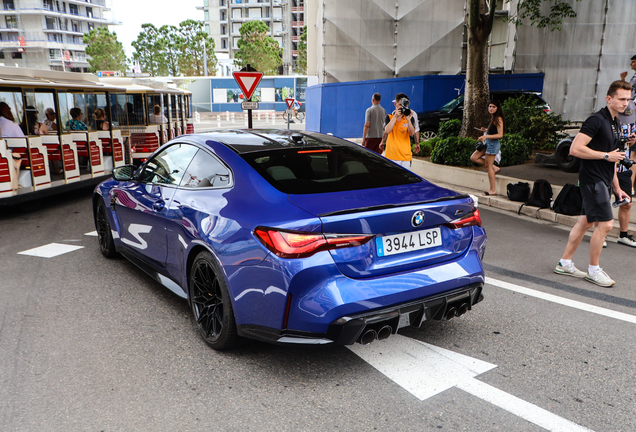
(124, 173)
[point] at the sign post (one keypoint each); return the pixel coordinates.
(290, 104)
(248, 79)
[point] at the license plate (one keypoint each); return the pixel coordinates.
(401, 243)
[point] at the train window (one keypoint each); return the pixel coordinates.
(13, 100)
(91, 106)
(173, 108)
(40, 109)
(134, 110)
(72, 111)
(166, 105)
(154, 110)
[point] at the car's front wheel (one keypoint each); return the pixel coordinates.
(211, 303)
(104, 234)
(427, 134)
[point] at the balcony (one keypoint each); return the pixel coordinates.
(298, 9)
(298, 23)
(295, 53)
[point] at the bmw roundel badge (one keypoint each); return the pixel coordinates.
(417, 219)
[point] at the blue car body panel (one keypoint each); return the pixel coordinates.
(164, 226)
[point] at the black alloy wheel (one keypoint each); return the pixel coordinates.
(211, 305)
(104, 234)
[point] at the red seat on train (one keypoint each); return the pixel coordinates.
(4, 170)
(144, 142)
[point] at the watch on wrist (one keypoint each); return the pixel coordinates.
(606, 157)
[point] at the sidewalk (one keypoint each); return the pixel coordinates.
(475, 182)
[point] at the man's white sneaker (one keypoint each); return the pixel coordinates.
(600, 278)
(569, 270)
(629, 240)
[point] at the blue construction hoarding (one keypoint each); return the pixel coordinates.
(339, 108)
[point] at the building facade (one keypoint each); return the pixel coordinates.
(47, 34)
(356, 40)
(285, 19)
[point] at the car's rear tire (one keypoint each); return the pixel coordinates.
(564, 161)
(211, 304)
(427, 134)
(104, 233)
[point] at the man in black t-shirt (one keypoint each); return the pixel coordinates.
(596, 145)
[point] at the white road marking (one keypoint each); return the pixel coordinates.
(92, 234)
(50, 250)
(562, 301)
(425, 370)
(422, 369)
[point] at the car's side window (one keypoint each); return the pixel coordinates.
(206, 171)
(169, 165)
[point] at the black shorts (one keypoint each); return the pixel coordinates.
(597, 206)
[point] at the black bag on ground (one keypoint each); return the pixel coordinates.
(541, 195)
(569, 201)
(518, 191)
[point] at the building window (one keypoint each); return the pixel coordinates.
(8, 5)
(89, 12)
(48, 5)
(75, 26)
(72, 8)
(1, 54)
(50, 23)
(223, 29)
(222, 15)
(223, 44)
(12, 21)
(16, 55)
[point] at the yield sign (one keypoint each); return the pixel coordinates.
(289, 102)
(248, 81)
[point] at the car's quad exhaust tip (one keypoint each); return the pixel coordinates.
(368, 337)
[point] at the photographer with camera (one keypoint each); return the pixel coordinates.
(628, 117)
(399, 128)
(596, 145)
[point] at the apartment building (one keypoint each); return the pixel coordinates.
(47, 34)
(285, 19)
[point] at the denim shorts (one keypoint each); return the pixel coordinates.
(492, 146)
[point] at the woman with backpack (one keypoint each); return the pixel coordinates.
(490, 138)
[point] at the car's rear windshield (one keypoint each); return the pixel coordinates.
(326, 167)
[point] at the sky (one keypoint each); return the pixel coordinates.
(133, 13)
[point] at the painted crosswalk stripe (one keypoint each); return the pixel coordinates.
(91, 234)
(425, 370)
(50, 250)
(562, 301)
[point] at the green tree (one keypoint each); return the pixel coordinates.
(191, 37)
(301, 60)
(257, 49)
(171, 49)
(150, 51)
(106, 52)
(481, 15)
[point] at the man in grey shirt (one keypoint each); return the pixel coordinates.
(374, 125)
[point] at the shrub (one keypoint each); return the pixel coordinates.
(545, 130)
(515, 149)
(450, 128)
(454, 151)
(426, 147)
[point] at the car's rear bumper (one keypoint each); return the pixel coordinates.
(347, 330)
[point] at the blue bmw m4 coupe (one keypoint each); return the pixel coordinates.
(293, 238)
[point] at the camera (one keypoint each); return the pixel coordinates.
(405, 110)
(626, 162)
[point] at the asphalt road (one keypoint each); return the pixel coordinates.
(90, 344)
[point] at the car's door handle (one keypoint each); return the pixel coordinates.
(159, 205)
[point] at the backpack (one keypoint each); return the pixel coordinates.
(541, 195)
(518, 191)
(569, 201)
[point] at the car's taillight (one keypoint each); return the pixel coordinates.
(469, 220)
(291, 244)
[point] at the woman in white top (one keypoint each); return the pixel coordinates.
(10, 129)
